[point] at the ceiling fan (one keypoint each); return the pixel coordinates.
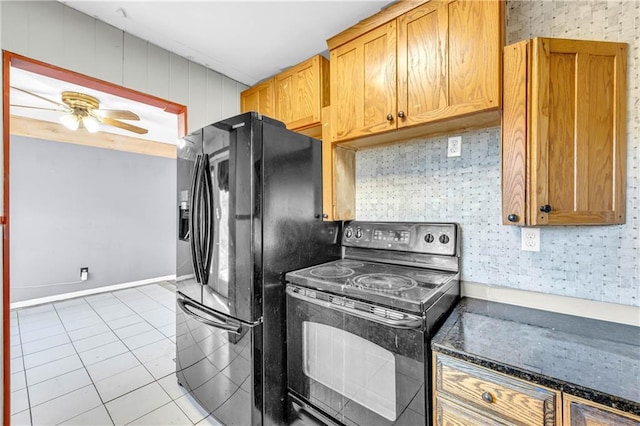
(82, 110)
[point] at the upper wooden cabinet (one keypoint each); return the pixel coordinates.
(295, 96)
(259, 98)
(301, 93)
(407, 66)
(563, 135)
(363, 84)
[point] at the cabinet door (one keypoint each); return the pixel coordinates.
(449, 60)
(363, 84)
(259, 98)
(514, 134)
(423, 80)
(578, 121)
(475, 54)
(299, 92)
(579, 412)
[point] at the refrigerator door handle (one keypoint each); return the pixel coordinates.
(194, 213)
(219, 323)
(203, 206)
(209, 212)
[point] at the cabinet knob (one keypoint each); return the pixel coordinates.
(401, 114)
(487, 397)
(324, 215)
(389, 117)
(512, 217)
(546, 208)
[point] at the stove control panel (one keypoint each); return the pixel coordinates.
(416, 237)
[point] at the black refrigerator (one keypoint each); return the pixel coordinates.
(249, 210)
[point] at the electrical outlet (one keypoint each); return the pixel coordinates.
(454, 149)
(530, 239)
(84, 274)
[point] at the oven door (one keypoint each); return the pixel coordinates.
(357, 363)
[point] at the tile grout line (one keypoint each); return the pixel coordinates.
(172, 400)
(133, 354)
(24, 370)
(91, 307)
(85, 369)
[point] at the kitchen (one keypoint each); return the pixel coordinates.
(391, 185)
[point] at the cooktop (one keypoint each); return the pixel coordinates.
(396, 286)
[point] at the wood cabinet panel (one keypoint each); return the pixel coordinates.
(451, 414)
(577, 133)
(259, 98)
(475, 50)
(495, 394)
(301, 93)
(363, 84)
(580, 412)
(571, 122)
(423, 83)
(514, 135)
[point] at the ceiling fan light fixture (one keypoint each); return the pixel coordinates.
(91, 124)
(70, 121)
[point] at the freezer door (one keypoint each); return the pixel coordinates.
(218, 362)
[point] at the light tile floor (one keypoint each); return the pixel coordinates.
(104, 359)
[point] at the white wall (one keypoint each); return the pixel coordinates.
(76, 206)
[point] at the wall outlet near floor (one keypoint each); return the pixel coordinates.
(530, 239)
(84, 274)
(454, 148)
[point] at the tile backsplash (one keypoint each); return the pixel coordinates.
(416, 181)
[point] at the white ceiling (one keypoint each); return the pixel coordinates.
(245, 40)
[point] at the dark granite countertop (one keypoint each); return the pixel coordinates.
(592, 359)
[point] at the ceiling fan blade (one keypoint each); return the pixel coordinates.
(41, 97)
(120, 124)
(43, 109)
(116, 113)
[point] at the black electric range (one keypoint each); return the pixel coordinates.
(358, 328)
(398, 265)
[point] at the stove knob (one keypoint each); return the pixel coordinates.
(358, 233)
(428, 238)
(348, 233)
(444, 239)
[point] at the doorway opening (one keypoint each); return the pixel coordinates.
(14, 65)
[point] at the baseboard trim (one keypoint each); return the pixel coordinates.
(623, 314)
(88, 292)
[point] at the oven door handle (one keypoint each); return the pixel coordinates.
(406, 323)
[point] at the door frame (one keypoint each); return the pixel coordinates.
(10, 59)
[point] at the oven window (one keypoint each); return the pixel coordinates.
(352, 366)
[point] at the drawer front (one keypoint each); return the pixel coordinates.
(451, 414)
(494, 393)
(580, 412)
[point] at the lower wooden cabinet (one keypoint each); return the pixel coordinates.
(580, 412)
(498, 398)
(468, 395)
